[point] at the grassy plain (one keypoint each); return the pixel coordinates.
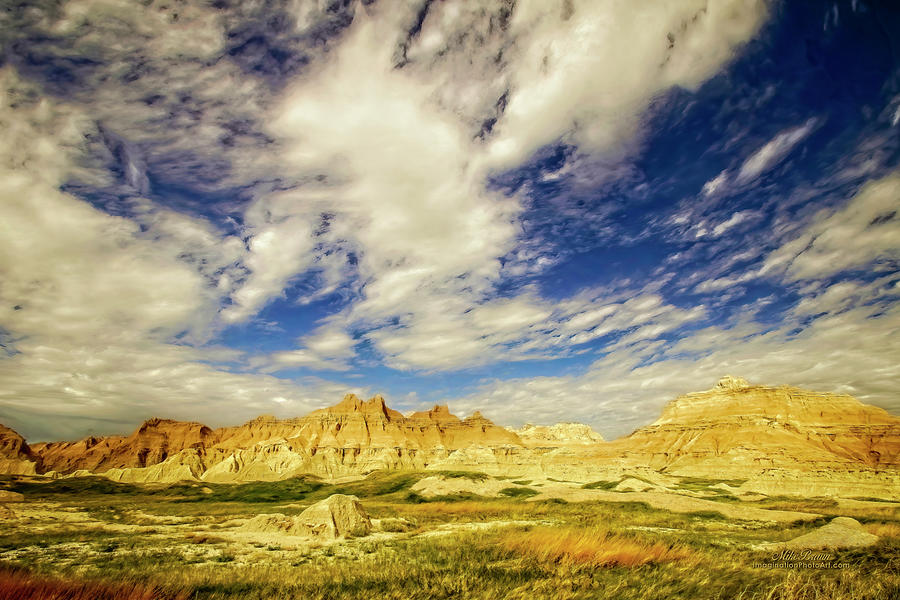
(86, 538)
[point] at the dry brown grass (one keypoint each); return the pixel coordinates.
(890, 530)
(203, 538)
(592, 547)
(20, 585)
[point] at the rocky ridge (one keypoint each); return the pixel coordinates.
(752, 428)
(352, 437)
(763, 436)
(15, 455)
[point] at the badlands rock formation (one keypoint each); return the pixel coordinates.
(561, 434)
(774, 440)
(352, 437)
(338, 516)
(152, 443)
(15, 455)
(741, 428)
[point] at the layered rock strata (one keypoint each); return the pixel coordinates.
(774, 439)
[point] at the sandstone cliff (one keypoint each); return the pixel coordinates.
(742, 430)
(16, 457)
(150, 444)
(351, 437)
(772, 438)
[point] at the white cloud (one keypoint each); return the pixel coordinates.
(773, 152)
(392, 162)
(862, 233)
(841, 336)
(405, 169)
(714, 184)
(586, 74)
(848, 351)
(93, 304)
(327, 348)
(735, 219)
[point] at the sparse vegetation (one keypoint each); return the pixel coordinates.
(147, 542)
(601, 485)
(518, 492)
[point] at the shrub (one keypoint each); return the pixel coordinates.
(518, 492)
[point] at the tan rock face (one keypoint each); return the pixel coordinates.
(352, 437)
(737, 430)
(840, 532)
(7, 496)
(764, 435)
(438, 485)
(559, 435)
(152, 443)
(338, 516)
(16, 457)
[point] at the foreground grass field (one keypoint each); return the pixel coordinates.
(92, 538)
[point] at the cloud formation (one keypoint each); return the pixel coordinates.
(403, 164)
(841, 336)
(217, 210)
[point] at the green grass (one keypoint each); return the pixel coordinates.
(518, 492)
(705, 483)
(80, 486)
(288, 490)
(480, 566)
(473, 475)
(601, 485)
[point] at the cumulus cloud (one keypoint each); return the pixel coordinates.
(94, 305)
(327, 348)
(584, 71)
(402, 174)
(351, 143)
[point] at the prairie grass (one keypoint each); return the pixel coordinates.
(575, 550)
(889, 530)
(592, 548)
(21, 585)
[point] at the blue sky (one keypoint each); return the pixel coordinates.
(547, 211)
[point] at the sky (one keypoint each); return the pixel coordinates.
(547, 211)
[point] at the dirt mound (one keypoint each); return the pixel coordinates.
(841, 532)
(6, 496)
(439, 485)
(336, 516)
(273, 523)
(670, 501)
